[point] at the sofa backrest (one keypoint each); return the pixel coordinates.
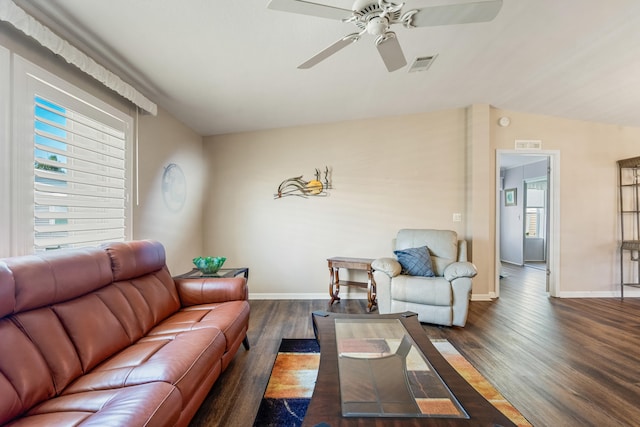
(141, 275)
(39, 357)
(442, 244)
(45, 279)
(64, 312)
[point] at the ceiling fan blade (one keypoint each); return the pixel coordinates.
(464, 13)
(308, 8)
(340, 44)
(391, 52)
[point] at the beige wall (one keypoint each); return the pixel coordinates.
(391, 173)
(162, 141)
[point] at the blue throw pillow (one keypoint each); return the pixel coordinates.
(415, 261)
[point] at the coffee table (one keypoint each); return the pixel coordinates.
(367, 376)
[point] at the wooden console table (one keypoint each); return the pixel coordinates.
(336, 263)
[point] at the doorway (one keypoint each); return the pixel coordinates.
(527, 212)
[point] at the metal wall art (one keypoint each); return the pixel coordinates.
(297, 186)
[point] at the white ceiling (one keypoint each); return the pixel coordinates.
(230, 66)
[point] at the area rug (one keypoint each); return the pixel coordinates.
(295, 371)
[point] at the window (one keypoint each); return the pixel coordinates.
(79, 186)
(535, 219)
(72, 165)
(533, 222)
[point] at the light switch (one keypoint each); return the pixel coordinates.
(457, 217)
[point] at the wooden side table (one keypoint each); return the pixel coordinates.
(336, 263)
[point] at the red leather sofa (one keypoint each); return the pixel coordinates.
(106, 337)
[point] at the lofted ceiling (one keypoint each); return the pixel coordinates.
(231, 66)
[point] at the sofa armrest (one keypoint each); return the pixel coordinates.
(459, 269)
(390, 266)
(211, 290)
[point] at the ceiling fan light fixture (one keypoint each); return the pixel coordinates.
(377, 26)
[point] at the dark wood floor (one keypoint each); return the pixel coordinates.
(561, 362)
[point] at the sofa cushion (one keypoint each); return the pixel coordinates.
(154, 297)
(94, 329)
(25, 379)
(140, 272)
(129, 307)
(180, 359)
(56, 276)
(136, 258)
(49, 337)
(415, 261)
(422, 290)
(152, 404)
(229, 317)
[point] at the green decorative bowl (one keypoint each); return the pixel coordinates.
(209, 264)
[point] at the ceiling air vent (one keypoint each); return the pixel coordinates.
(422, 63)
(528, 144)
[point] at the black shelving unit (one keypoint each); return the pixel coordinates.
(629, 183)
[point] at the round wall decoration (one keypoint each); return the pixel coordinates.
(174, 187)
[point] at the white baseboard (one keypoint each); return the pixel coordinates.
(296, 296)
(483, 297)
(631, 293)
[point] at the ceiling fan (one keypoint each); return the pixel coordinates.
(376, 17)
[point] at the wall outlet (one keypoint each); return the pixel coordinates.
(457, 217)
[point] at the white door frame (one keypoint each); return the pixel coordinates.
(553, 257)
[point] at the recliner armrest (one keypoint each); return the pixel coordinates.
(211, 290)
(390, 266)
(459, 269)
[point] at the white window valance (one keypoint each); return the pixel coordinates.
(14, 15)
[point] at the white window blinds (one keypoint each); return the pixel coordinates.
(71, 165)
(79, 185)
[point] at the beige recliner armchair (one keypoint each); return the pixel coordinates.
(429, 275)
